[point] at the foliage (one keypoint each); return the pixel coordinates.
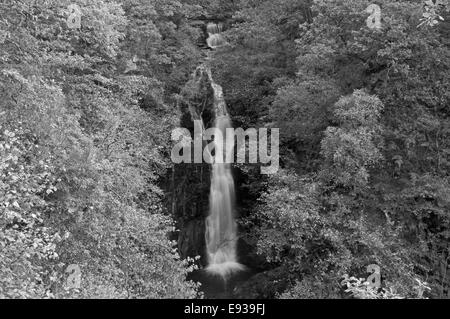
(324, 227)
(82, 153)
(360, 289)
(85, 121)
(350, 149)
(364, 122)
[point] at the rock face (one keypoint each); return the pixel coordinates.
(247, 256)
(197, 100)
(191, 240)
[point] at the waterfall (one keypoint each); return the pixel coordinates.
(215, 38)
(221, 229)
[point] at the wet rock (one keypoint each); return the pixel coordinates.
(264, 285)
(191, 240)
(248, 257)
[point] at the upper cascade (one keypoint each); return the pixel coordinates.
(215, 38)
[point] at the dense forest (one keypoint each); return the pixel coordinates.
(93, 206)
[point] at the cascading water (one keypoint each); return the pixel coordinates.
(215, 38)
(221, 229)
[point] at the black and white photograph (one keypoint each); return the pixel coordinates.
(227, 155)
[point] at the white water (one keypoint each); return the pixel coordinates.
(221, 230)
(215, 38)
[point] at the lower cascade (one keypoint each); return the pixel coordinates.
(221, 229)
